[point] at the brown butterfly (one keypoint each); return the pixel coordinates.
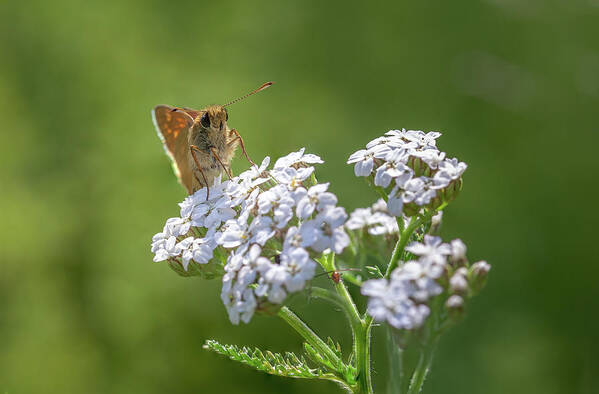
(199, 143)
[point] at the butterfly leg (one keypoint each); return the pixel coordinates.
(193, 149)
(238, 138)
(227, 170)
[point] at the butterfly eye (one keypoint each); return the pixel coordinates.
(226, 115)
(205, 120)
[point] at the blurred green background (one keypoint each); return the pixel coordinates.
(513, 85)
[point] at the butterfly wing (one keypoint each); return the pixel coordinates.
(172, 126)
(194, 113)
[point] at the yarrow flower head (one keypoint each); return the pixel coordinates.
(408, 163)
(260, 230)
(404, 300)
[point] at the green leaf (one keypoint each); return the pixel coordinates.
(288, 364)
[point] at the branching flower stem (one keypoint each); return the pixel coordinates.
(405, 237)
(360, 330)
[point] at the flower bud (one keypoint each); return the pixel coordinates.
(458, 253)
(455, 306)
(419, 166)
(451, 191)
(454, 302)
(458, 284)
(436, 223)
(478, 275)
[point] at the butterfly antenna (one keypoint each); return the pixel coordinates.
(264, 86)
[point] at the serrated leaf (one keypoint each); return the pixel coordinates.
(317, 357)
(288, 365)
(335, 347)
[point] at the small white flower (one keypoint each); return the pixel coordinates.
(280, 201)
(297, 157)
(388, 301)
(164, 248)
(187, 206)
(219, 214)
(185, 248)
(358, 219)
(381, 223)
(409, 315)
(202, 250)
(423, 139)
(276, 275)
(449, 170)
(316, 197)
(292, 177)
(293, 238)
(395, 201)
(277, 294)
(378, 141)
(433, 249)
(300, 267)
(261, 230)
(178, 226)
(364, 160)
(419, 191)
(375, 288)
(255, 171)
(432, 157)
(248, 205)
(380, 206)
(164, 244)
(232, 234)
(240, 305)
(326, 231)
(418, 280)
(376, 219)
(390, 170)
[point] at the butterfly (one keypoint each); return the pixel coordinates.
(199, 143)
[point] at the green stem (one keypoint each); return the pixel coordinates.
(424, 364)
(310, 336)
(405, 237)
(343, 293)
(360, 331)
(396, 367)
(362, 351)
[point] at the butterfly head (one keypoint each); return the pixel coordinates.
(214, 117)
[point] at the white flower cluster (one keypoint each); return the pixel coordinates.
(409, 162)
(269, 221)
(402, 301)
(375, 219)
